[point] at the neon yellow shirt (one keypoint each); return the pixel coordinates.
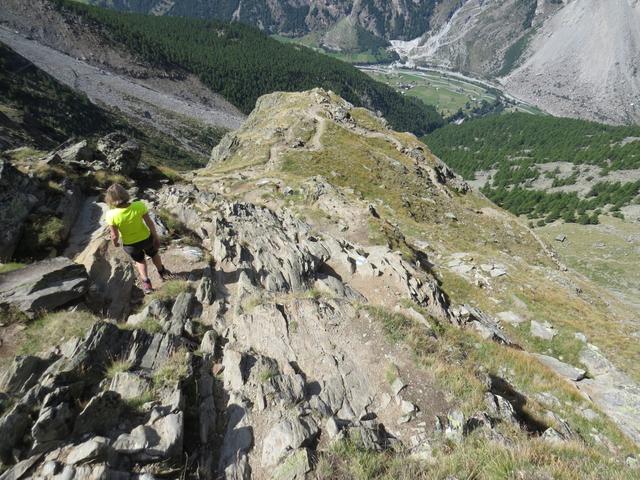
(129, 222)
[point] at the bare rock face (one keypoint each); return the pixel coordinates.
(17, 198)
(44, 285)
(120, 153)
(78, 423)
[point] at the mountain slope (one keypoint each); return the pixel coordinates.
(345, 307)
(390, 20)
(241, 63)
(576, 58)
(473, 35)
(584, 63)
(546, 167)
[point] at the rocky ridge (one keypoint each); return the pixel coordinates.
(298, 331)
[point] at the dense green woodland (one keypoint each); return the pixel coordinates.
(242, 64)
(514, 144)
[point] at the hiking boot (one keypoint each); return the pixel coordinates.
(165, 274)
(146, 287)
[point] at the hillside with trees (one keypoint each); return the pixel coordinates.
(513, 150)
(241, 63)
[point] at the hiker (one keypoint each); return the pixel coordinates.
(131, 221)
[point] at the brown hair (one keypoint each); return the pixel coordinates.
(116, 196)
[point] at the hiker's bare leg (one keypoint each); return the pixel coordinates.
(142, 269)
(157, 261)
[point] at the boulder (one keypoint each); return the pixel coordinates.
(44, 285)
(119, 153)
(285, 437)
(511, 318)
(100, 415)
(486, 326)
(79, 152)
(112, 278)
(543, 330)
(295, 467)
(205, 293)
(129, 385)
(23, 373)
(13, 427)
(181, 312)
(54, 423)
(87, 451)
(17, 199)
(208, 343)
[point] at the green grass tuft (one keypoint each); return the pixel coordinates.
(174, 370)
(54, 329)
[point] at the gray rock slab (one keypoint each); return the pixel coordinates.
(563, 369)
(129, 385)
(285, 437)
(543, 330)
(614, 392)
(511, 318)
(44, 285)
(89, 450)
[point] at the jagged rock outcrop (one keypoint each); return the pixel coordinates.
(44, 285)
(103, 437)
(17, 199)
(120, 153)
(116, 152)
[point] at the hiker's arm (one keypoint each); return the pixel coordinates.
(152, 229)
(115, 235)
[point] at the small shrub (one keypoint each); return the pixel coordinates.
(391, 373)
(267, 374)
(10, 267)
(118, 366)
(313, 293)
(169, 291)
(11, 314)
(41, 232)
(135, 404)
(105, 178)
(174, 370)
(173, 224)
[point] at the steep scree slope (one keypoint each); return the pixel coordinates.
(584, 62)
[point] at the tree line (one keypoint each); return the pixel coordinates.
(515, 144)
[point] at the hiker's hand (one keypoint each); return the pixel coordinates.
(156, 242)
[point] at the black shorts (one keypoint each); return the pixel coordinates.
(138, 250)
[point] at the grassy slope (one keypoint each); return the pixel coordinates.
(371, 170)
(351, 44)
(605, 253)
